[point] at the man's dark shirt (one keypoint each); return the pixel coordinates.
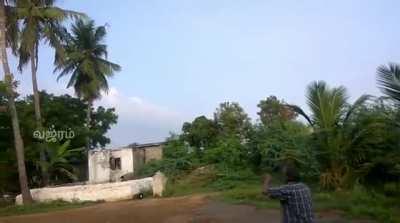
(296, 202)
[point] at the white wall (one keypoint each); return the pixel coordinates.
(99, 165)
(92, 192)
(126, 156)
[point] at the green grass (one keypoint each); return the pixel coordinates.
(360, 203)
(190, 184)
(41, 207)
(356, 203)
(247, 194)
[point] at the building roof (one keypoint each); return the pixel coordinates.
(140, 146)
(130, 146)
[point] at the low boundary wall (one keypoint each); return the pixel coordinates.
(92, 192)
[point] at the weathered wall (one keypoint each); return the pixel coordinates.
(126, 157)
(153, 153)
(93, 192)
(131, 160)
(159, 184)
(99, 165)
(144, 155)
(138, 159)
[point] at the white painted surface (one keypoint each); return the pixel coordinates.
(159, 184)
(92, 192)
(99, 165)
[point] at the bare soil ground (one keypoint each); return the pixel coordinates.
(189, 209)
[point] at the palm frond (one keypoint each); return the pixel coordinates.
(13, 29)
(327, 105)
(100, 34)
(61, 14)
(358, 103)
(388, 78)
(300, 111)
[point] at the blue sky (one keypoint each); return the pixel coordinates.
(181, 58)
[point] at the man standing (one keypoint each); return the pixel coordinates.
(295, 197)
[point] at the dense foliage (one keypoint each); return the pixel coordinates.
(66, 160)
(339, 145)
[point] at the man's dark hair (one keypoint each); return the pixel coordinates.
(291, 173)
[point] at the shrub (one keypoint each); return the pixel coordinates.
(170, 167)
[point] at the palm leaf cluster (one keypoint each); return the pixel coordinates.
(86, 60)
(388, 78)
(31, 21)
(334, 132)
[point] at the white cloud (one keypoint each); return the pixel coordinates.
(139, 120)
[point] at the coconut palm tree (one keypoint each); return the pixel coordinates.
(389, 80)
(85, 59)
(40, 20)
(330, 119)
(8, 80)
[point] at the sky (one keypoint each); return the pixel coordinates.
(181, 58)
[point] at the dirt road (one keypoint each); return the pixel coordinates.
(191, 209)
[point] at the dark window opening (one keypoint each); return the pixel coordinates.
(115, 163)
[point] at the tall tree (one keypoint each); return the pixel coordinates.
(232, 120)
(40, 20)
(202, 132)
(86, 60)
(9, 81)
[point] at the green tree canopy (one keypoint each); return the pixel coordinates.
(232, 120)
(272, 110)
(202, 132)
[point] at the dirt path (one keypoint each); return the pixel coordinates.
(191, 209)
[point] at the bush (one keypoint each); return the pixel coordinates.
(229, 152)
(392, 189)
(170, 167)
(360, 202)
(227, 178)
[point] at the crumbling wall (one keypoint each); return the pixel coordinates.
(92, 192)
(99, 165)
(159, 184)
(126, 158)
(153, 153)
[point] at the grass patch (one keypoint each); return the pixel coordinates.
(193, 183)
(357, 203)
(234, 189)
(247, 194)
(360, 203)
(41, 207)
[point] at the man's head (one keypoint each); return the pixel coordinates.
(291, 173)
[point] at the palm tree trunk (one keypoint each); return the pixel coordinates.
(88, 126)
(8, 79)
(36, 97)
(88, 123)
(38, 116)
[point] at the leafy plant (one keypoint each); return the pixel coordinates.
(58, 163)
(330, 119)
(389, 80)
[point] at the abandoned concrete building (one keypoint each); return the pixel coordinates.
(109, 165)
